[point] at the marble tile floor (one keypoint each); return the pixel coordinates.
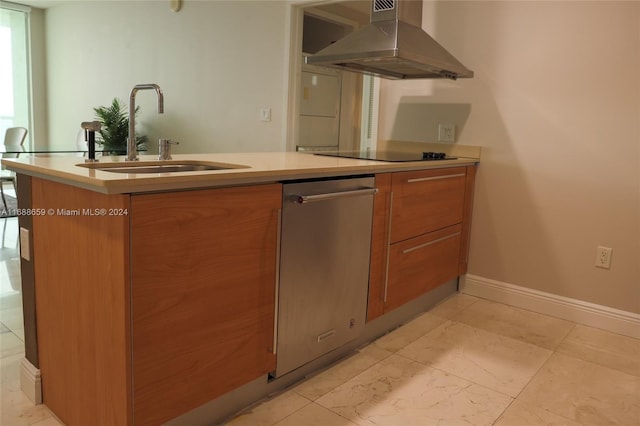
(468, 361)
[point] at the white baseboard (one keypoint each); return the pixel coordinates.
(609, 319)
(30, 381)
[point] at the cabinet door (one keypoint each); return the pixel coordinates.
(379, 246)
(203, 295)
(81, 291)
(427, 200)
(320, 94)
(466, 222)
(420, 264)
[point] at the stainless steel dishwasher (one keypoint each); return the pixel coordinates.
(324, 267)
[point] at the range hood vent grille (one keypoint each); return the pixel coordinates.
(391, 47)
(380, 5)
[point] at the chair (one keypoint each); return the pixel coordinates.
(13, 139)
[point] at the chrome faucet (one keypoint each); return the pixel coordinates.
(164, 148)
(132, 149)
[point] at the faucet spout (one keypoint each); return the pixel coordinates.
(132, 148)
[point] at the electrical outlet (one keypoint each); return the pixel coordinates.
(25, 251)
(603, 257)
(446, 132)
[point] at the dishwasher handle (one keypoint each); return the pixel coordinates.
(303, 199)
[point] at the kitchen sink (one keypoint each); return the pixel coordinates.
(160, 166)
(163, 168)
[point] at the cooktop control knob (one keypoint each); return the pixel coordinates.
(433, 155)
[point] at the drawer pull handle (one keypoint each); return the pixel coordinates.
(303, 199)
(277, 283)
(409, 250)
(434, 178)
(386, 268)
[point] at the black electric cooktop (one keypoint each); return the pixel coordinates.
(389, 156)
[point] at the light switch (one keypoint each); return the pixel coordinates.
(265, 114)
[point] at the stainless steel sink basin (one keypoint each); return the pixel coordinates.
(160, 166)
(164, 169)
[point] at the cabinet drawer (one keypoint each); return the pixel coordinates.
(427, 200)
(421, 264)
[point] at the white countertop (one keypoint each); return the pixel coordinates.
(258, 168)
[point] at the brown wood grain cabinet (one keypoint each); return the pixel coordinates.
(379, 246)
(425, 201)
(167, 301)
(188, 319)
(422, 222)
(466, 218)
(203, 295)
(420, 264)
(81, 268)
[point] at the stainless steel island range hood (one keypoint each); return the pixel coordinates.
(392, 46)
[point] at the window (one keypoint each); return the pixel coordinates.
(15, 96)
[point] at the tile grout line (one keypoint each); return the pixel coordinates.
(552, 352)
(295, 411)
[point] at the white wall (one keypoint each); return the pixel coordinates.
(218, 63)
(555, 104)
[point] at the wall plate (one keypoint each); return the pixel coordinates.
(25, 249)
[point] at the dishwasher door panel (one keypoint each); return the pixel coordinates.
(324, 269)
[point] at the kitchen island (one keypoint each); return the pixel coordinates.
(150, 295)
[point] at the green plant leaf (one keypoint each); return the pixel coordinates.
(115, 126)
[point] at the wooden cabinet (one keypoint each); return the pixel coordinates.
(80, 263)
(427, 200)
(203, 295)
(156, 307)
(421, 230)
(167, 301)
(379, 246)
(420, 264)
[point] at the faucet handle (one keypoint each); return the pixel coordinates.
(164, 148)
(90, 128)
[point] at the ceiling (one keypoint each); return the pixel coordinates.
(354, 9)
(41, 4)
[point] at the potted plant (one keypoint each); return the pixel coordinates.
(115, 128)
